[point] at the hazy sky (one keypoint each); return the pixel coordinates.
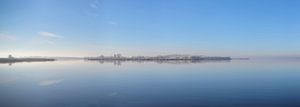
(149, 27)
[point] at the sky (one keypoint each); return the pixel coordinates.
(237, 28)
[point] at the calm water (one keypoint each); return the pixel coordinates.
(150, 84)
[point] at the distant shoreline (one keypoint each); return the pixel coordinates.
(165, 57)
(119, 57)
(152, 59)
(14, 60)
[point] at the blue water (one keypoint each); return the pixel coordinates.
(77, 83)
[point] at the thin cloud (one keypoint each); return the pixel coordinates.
(112, 22)
(94, 8)
(6, 37)
(95, 4)
(90, 13)
(50, 42)
(49, 35)
(92, 5)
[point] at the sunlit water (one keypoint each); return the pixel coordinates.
(81, 83)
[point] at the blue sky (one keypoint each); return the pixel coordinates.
(149, 27)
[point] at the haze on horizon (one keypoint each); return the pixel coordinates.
(149, 27)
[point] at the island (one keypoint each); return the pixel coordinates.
(12, 59)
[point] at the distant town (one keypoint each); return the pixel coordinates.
(160, 57)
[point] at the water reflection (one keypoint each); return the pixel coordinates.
(50, 82)
(80, 83)
(4, 80)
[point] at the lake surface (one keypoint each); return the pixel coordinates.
(78, 83)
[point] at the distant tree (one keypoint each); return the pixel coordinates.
(10, 56)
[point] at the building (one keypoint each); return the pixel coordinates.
(117, 55)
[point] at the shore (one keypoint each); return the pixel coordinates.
(159, 58)
(13, 60)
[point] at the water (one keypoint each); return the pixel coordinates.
(78, 83)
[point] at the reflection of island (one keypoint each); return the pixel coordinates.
(11, 60)
(117, 59)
